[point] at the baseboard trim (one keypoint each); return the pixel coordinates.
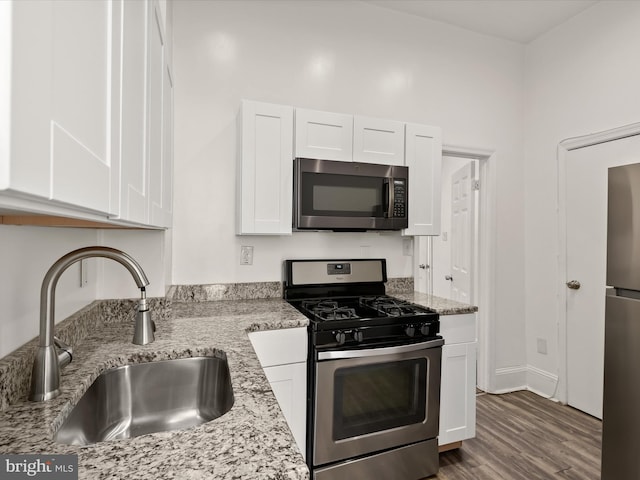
(536, 380)
(510, 379)
(541, 382)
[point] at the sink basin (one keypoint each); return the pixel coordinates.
(134, 400)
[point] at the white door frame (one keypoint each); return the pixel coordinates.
(564, 147)
(485, 295)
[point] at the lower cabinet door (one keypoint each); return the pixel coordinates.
(457, 393)
(289, 385)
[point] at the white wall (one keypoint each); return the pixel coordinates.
(349, 57)
(582, 77)
(27, 253)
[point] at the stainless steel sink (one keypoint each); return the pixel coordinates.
(152, 397)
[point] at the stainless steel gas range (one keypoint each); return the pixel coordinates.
(373, 394)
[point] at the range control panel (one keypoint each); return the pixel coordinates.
(338, 269)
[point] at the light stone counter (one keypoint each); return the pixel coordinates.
(252, 441)
(441, 305)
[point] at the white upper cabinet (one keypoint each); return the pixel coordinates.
(378, 140)
(85, 113)
(134, 198)
(265, 169)
(61, 91)
(269, 142)
(146, 128)
(423, 156)
(160, 123)
(324, 135)
(86, 75)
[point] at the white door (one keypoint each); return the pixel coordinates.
(586, 218)
(462, 233)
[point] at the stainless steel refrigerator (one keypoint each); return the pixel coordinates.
(621, 407)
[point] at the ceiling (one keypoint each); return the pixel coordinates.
(518, 20)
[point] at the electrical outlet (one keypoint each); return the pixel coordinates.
(542, 346)
(445, 236)
(246, 255)
(365, 251)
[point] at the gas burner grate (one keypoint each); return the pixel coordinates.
(390, 306)
(329, 310)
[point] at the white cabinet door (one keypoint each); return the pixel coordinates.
(156, 86)
(457, 393)
(289, 385)
(323, 135)
(458, 382)
(61, 88)
(423, 156)
(265, 169)
(377, 140)
(85, 80)
(134, 166)
(167, 145)
(146, 170)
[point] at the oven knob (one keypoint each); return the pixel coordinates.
(340, 338)
(410, 330)
(358, 336)
(424, 329)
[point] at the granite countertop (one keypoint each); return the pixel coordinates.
(441, 305)
(251, 441)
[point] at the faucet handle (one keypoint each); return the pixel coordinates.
(144, 327)
(64, 351)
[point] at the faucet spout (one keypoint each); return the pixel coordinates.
(45, 376)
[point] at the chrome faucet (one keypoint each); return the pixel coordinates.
(52, 354)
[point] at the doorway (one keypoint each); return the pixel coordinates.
(585, 187)
(484, 257)
(583, 164)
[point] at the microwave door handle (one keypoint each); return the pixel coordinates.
(387, 193)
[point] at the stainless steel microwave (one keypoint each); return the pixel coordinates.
(349, 196)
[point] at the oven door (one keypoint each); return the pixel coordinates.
(375, 399)
(349, 195)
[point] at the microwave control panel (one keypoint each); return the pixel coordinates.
(399, 198)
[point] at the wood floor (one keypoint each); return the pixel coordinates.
(524, 436)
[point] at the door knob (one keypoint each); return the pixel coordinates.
(573, 284)
(448, 277)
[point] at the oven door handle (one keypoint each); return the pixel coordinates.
(374, 352)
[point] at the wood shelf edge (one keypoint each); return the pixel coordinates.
(55, 221)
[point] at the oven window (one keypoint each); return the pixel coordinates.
(342, 195)
(378, 397)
